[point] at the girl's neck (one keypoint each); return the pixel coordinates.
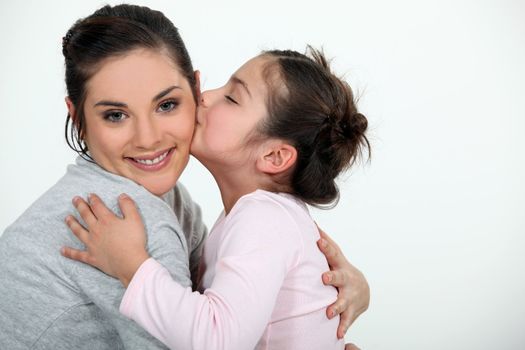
(233, 188)
(237, 180)
(233, 184)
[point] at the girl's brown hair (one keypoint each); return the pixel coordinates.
(315, 111)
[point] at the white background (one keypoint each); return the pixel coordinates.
(436, 220)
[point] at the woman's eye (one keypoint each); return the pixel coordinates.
(167, 106)
(115, 117)
(229, 98)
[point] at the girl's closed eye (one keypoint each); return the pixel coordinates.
(167, 106)
(230, 99)
(114, 116)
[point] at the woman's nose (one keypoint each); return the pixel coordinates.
(147, 134)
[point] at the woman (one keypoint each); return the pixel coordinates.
(50, 302)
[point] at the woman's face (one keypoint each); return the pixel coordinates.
(227, 116)
(140, 115)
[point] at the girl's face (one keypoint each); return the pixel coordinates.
(140, 115)
(226, 117)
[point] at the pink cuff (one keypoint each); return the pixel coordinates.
(135, 286)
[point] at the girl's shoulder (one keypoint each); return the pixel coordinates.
(265, 202)
(276, 215)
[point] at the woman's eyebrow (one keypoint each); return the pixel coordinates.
(237, 80)
(165, 92)
(110, 104)
(157, 97)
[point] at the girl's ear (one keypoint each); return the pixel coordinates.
(277, 158)
(197, 75)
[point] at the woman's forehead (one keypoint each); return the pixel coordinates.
(139, 72)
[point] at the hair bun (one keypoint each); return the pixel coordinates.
(346, 128)
(359, 123)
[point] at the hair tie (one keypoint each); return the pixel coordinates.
(345, 129)
(341, 127)
(329, 119)
(65, 40)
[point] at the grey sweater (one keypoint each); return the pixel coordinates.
(50, 302)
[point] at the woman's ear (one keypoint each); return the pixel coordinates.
(277, 158)
(71, 109)
(197, 75)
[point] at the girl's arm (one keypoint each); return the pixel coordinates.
(231, 314)
(354, 293)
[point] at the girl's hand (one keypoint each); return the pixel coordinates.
(354, 292)
(114, 245)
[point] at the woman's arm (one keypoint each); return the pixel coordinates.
(354, 293)
(190, 218)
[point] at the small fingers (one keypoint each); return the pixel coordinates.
(85, 211)
(337, 278)
(128, 207)
(330, 251)
(351, 346)
(345, 322)
(78, 255)
(339, 306)
(99, 208)
(78, 230)
(325, 236)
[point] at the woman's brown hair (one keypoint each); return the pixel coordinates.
(112, 31)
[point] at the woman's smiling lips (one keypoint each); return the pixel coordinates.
(153, 162)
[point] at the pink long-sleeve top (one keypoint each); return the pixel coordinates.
(262, 285)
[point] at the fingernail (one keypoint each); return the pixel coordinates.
(328, 277)
(323, 243)
(123, 196)
(90, 197)
(75, 200)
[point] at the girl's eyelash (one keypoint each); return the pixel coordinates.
(229, 98)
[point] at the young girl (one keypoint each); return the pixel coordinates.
(275, 137)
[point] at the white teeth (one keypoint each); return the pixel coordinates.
(152, 161)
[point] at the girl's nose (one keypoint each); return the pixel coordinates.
(204, 99)
(209, 97)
